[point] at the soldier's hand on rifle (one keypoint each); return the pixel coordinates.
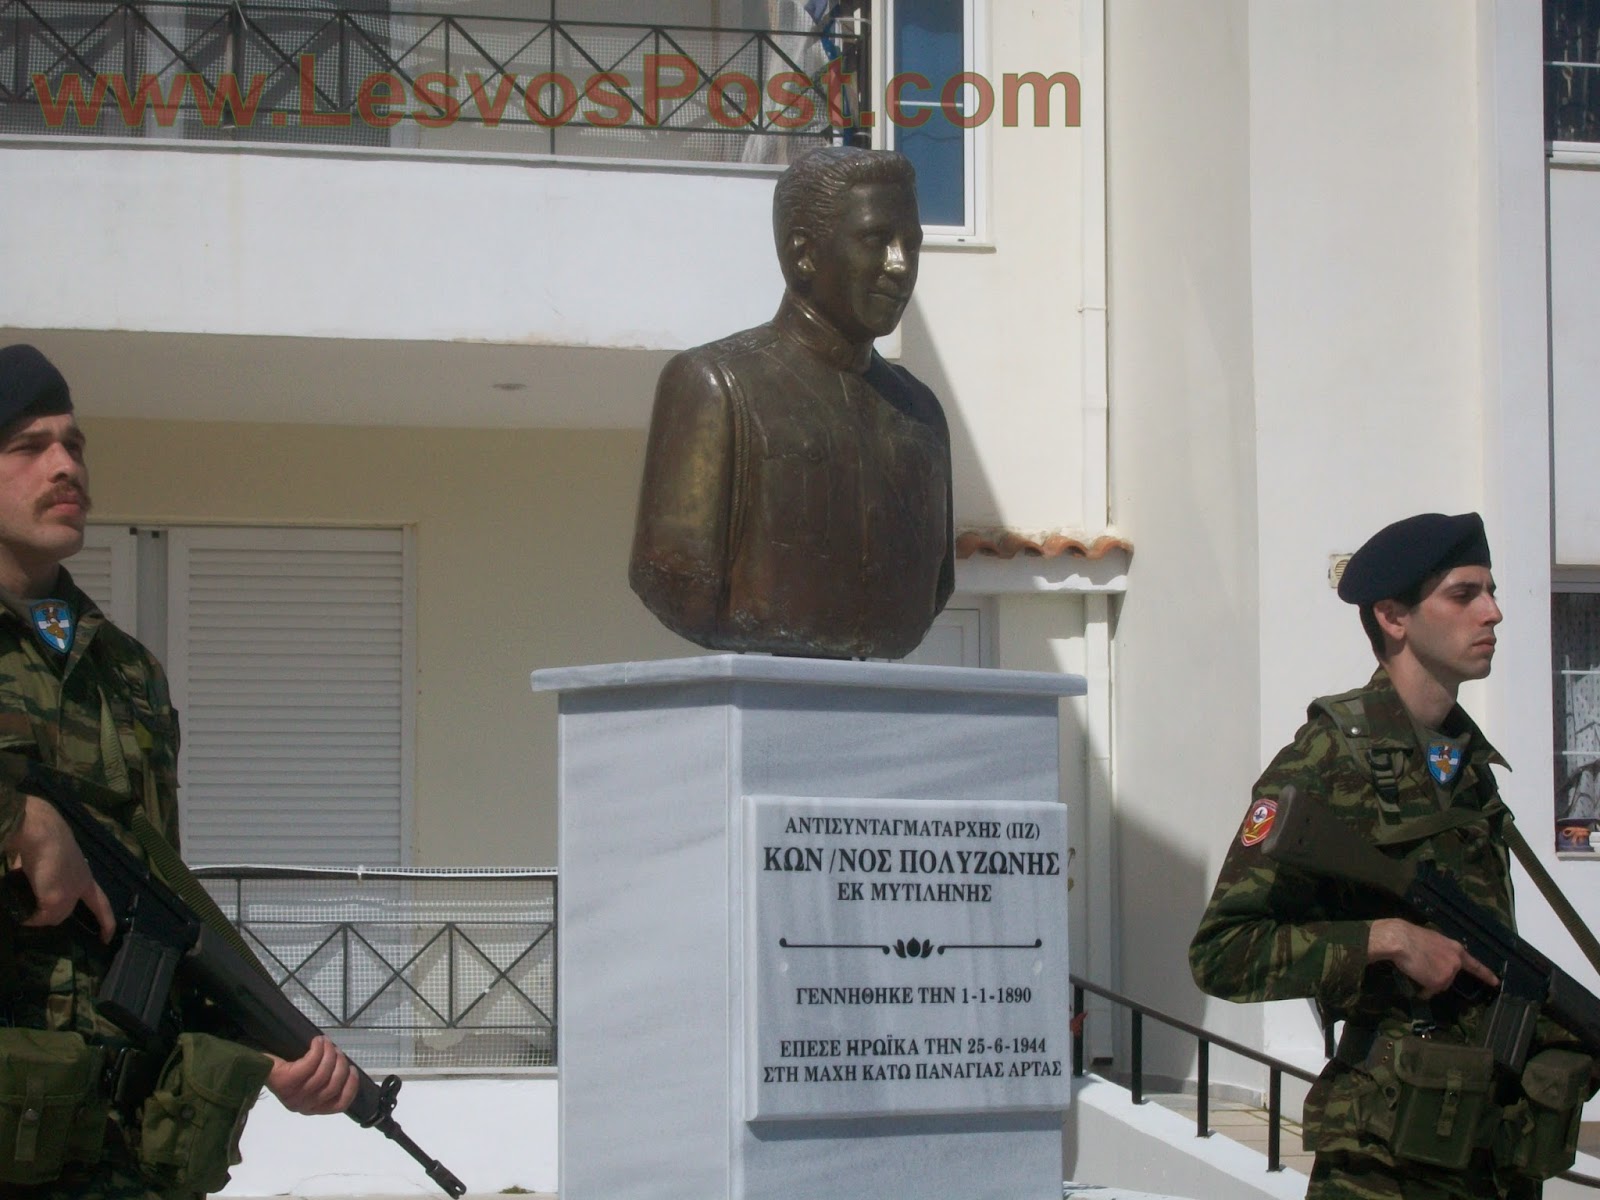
(320, 1081)
(43, 849)
(1426, 957)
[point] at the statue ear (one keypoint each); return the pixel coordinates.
(798, 251)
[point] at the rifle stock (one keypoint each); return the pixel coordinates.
(160, 936)
(1305, 834)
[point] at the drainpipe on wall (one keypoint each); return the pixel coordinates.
(1100, 792)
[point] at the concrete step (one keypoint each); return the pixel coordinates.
(1244, 1123)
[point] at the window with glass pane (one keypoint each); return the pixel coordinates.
(930, 39)
(1572, 70)
(1575, 638)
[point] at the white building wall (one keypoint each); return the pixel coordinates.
(1183, 471)
(1368, 402)
(1519, 489)
(998, 326)
(1327, 313)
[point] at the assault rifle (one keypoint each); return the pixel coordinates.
(1307, 835)
(160, 935)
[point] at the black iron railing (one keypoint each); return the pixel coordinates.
(365, 72)
(1276, 1068)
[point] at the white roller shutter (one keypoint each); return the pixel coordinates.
(288, 651)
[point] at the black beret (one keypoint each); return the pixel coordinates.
(30, 385)
(1400, 556)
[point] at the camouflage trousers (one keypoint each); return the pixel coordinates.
(1336, 1176)
(115, 1177)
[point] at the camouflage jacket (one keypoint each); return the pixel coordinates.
(101, 711)
(1272, 932)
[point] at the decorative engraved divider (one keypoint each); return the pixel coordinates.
(444, 969)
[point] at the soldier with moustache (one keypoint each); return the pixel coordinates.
(84, 1115)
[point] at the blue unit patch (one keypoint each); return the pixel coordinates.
(1444, 760)
(52, 621)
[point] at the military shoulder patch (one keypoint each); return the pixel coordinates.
(52, 621)
(1444, 761)
(1259, 823)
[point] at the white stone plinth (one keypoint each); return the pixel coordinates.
(661, 767)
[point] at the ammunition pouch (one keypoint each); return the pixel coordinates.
(190, 1128)
(1538, 1136)
(1434, 1102)
(52, 1107)
(1444, 1095)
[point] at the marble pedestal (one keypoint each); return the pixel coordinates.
(666, 771)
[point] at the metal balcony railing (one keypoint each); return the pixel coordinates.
(408, 969)
(458, 77)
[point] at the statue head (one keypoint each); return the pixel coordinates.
(848, 236)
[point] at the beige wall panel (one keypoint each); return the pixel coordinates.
(521, 562)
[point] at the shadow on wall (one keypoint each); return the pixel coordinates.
(1162, 891)
(975, 501)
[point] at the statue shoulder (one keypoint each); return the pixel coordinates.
(737, 345)
(907, 393)
(700, 371)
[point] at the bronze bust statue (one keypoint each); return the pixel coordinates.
(796, 495)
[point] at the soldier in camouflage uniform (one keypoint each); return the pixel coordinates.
(1399, 760)
(79, 694)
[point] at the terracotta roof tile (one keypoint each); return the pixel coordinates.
(1008, 543)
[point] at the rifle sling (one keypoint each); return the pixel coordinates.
(175, 873)
(1418, 829)
(1553, 894)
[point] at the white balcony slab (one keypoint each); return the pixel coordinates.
(209, 239)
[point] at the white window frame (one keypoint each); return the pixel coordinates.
(973, 619)
(975, 57)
